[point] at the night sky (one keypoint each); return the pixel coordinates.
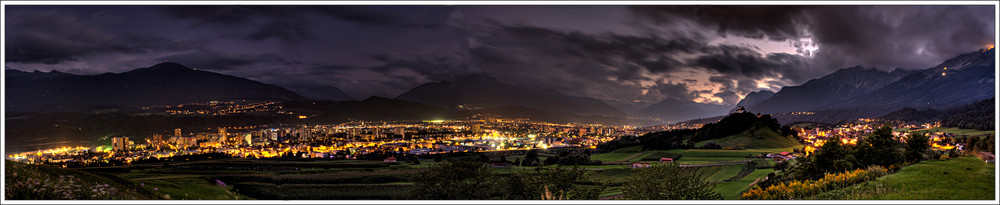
(627, 56)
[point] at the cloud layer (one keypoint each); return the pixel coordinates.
(625, 55)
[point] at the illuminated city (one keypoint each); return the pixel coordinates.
(497, 103)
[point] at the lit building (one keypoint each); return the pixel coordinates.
(119, 143)
(354, 132)
(740, 110)
(400, 131)
(177, 132)
(157, 140)
(477, 128)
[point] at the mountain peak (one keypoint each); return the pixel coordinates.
(376, 99)
(982, 57)
(477, 77)
(169, 66)
(161, 84)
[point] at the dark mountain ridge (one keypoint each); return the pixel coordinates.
(840, 85)
(481, 90)
(856, 92)
(162, 84)
(673, 110)
(753, 99)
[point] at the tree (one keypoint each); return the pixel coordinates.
(484, 158)
(462, 180)
(834, 157)
(558, 181)
(414, 159)
(668, 182)
(879, 148)
(781, 166)
(916, 145)
(551, 160)
(530, 158)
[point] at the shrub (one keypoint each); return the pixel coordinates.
(799, 189)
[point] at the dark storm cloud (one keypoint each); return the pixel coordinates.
(773, 22)
(745, 62)
(912, 37)
(284, 30)
(607, 66)
(677, 91)
(728, 96)
(222, 15)
(604, 64)
(627, 54)
(297, 23)
(613, 55)
(57, 36)
(380, 50)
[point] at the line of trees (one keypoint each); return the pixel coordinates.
(978, 115)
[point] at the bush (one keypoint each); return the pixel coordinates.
(799, 189)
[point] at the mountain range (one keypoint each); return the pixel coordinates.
(484, 91)
(754, 98)
(845, 94)
(858, 92)
(330, 93)
(838, 86)
(161, 84)
(673, 110)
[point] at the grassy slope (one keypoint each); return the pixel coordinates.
(632, 149)
(191, 188)
(731, 190)
(609, 157)
(619, 155)
(726, 172)
(755, 139)
(59, 183)
(927, 180)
